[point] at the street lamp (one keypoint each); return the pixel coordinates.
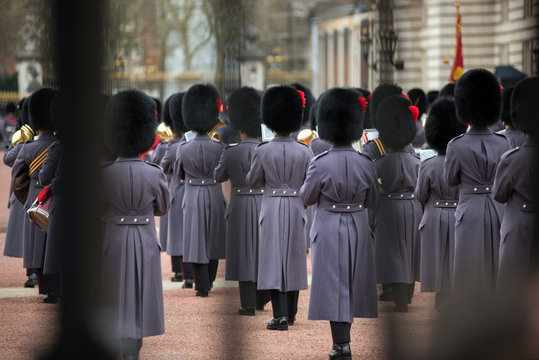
(388, 44)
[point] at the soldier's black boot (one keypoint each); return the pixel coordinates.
(178, 277)
(387, 293)
(246, 311)
(340, 351)
(278, 323)
(31, 282)
(188, 284)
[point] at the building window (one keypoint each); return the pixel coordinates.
(528, 8)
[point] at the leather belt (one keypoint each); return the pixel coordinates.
(399, 196)
(128, 219)
(276, 192)
(452, 204)
(201, 182)
(342, 208)
(475, 189)
(247, 191)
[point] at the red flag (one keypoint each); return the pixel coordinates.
(458, 64)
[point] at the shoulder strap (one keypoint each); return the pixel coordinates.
(40, 159)
(380, 146)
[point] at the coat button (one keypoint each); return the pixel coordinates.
(413, 196)
(360, 206)
(389, 196)
(122, 220)
(274, 191)
(284, 192)
(487, 189)
(295, 192)
(262, 191)
(135, 220)
(348, 208)
(437, 203)
(190, 181)
(474, 189)
(334, 206)
(455, 204)
(215, 181)
(202, 182)
(239, 190)
(524, 206)
(402, 195)
(250, 190)
(147, 220)
(446, 204)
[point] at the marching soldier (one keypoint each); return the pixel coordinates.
(134, 192)
(514, 135)
(437, 227)
(514, 185)
(279, 166)
(204, 225)
(398, 213)
(242, 240)
(182, 271)
(470, 162)
(418, 98)
(341, 182)
(30, 160)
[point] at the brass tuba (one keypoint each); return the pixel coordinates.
(214, 134)
(305, 136)
(164, 132)
(22, 135)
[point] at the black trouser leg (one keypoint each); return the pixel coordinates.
(49, 284)
(400, 294)
(279, 302)
(340, 331)
(262, 298)
(248, 294)
(131, 347)
(202, 277)
(292, 303)
(31, 271)
(187, 269)
(411, 289)
(212, 270)
(176, 264)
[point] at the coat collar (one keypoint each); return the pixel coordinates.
(281, 138)
(342, 148)
(201, 137)
(128, 158)
(479, 130)
(46, 136)
(249, 139)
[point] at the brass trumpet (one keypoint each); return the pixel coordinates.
(305, 136)
(164, 132)
(213, 134)
(22, 135)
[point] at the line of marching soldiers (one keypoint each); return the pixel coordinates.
(379, 216)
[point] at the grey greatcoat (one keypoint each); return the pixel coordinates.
(342, 182)
(14, 240)
(515, 137)
(513, 186)
(371, 150)
(174, 240)
(34, 239)
(396, 219)
(134, 192)
(47, 177)
(280, 167)
(471, 162)
(156, 157)
(204, 228)
(437, 227)
(242, 213)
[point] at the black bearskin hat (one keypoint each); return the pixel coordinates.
(282, 109)
(165, 113)
(38, 109)
(23, 118)
(200, 108)
(11, 107)
(525, 106)
(309, 99)
(379, 94)
(158, 108)
(130, 123)
(244, 110)
(395, 122)
(340, 116)
(418, 98)
(448, 90)
(442, 124)
(478, 98)
(175, 112)
(506, 106)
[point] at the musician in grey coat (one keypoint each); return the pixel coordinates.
(14, 244)
(33, 238)
(279, 167)
(242, 240)
(437, 227)
(398, 213)
(204, 225)
(470, 163)
(514, 186)
(341, 183)
(182, 271)
(514, 135)
(134, 192)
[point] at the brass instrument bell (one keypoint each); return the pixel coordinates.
(214, 134)
(164, 132)
(305, 136)
(22, 135)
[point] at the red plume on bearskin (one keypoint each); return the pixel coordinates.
(363, 103)
(415, 112)
(302, 97)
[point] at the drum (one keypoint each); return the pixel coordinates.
(39, 211)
